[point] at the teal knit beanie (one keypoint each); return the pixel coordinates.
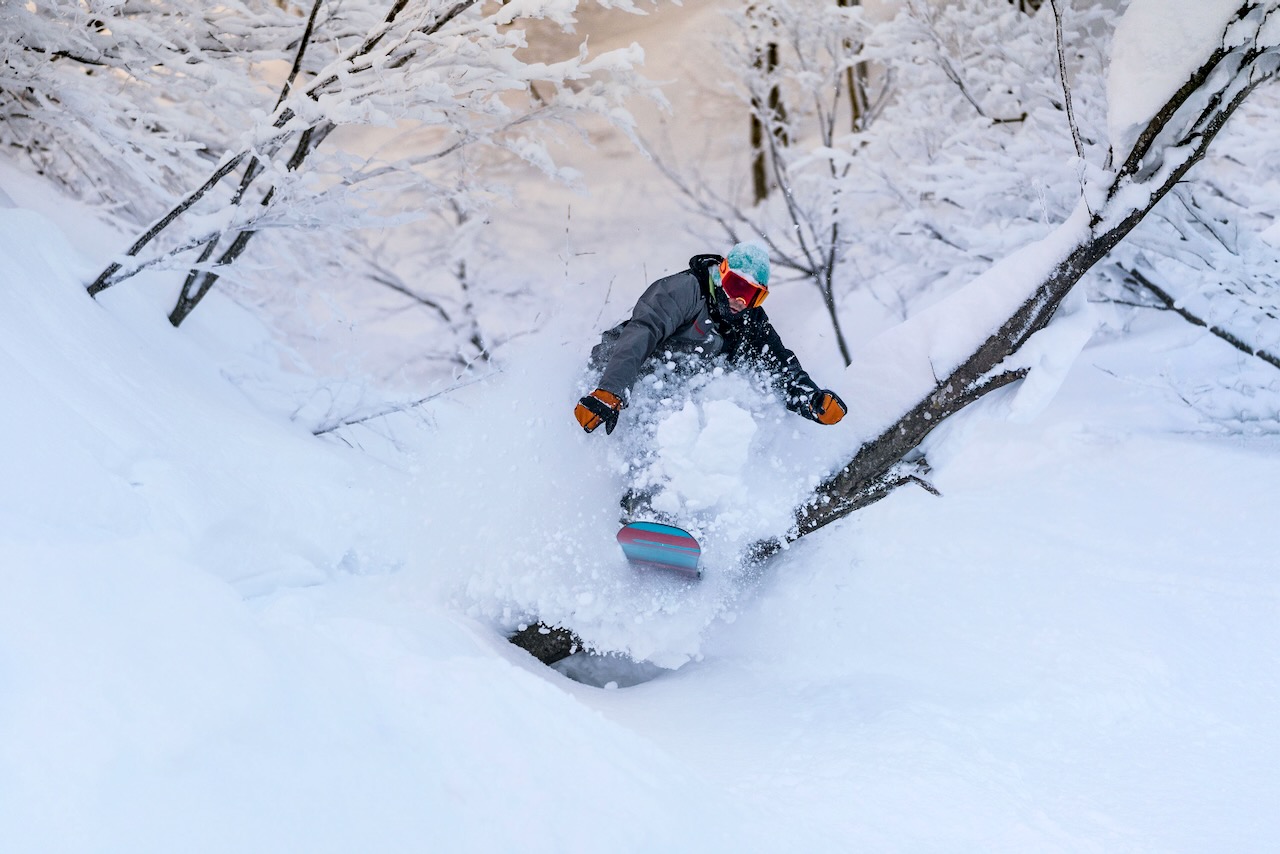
(752, 261)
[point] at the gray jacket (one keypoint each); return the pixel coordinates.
(671, 312)
(675, 313)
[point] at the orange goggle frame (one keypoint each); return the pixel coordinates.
(738, 286)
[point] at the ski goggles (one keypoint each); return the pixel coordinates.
(738, 286)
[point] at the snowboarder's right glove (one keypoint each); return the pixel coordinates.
(599, 407)
(823, 406)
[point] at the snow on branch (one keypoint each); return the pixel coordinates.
(1242, 58)
(936, 364)
(451, 69)
(1168, 302)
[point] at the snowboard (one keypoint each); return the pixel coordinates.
(656, 546)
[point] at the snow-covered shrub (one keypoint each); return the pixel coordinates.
(288, 126)
(974, 156)
(127, 104)
(1212, 252)
(909, 154)
(796, 68)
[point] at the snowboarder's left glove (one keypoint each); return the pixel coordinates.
(599, 407)
(823, 406)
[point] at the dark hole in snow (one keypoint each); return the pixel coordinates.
(607, 671)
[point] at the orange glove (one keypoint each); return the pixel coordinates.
(599, 407)
(824, 406)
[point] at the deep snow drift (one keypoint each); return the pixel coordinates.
(221, 633)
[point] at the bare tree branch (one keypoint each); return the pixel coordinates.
(1062, 75)
(283, 116)
(1171, 304)
(392, 409)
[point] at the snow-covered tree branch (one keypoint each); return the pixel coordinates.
(346, 81)
(126, 104)
(985, 337)
(803, 81)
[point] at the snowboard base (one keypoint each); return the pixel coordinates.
(653, 545)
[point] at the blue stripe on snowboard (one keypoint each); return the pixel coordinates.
(660, 545)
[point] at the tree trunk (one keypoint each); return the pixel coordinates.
(772, 109)
(855, 79)
(200, 281)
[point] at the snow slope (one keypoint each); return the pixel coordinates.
(1073, 650)
(214, 633)
(219, 633)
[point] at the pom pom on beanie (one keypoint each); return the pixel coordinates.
(752, 261)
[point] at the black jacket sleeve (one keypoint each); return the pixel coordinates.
(759, 343)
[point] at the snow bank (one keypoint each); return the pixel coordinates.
(218, 633)
(129, 437)
(1071, 651)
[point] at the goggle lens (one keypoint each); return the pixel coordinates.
(737, 286)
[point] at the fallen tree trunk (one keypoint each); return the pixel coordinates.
(1176, 138)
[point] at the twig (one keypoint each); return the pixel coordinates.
(1062, 76)
(1172, 305)
(284, 115)
(392, 410)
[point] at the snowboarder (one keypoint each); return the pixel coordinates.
(710, 309)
